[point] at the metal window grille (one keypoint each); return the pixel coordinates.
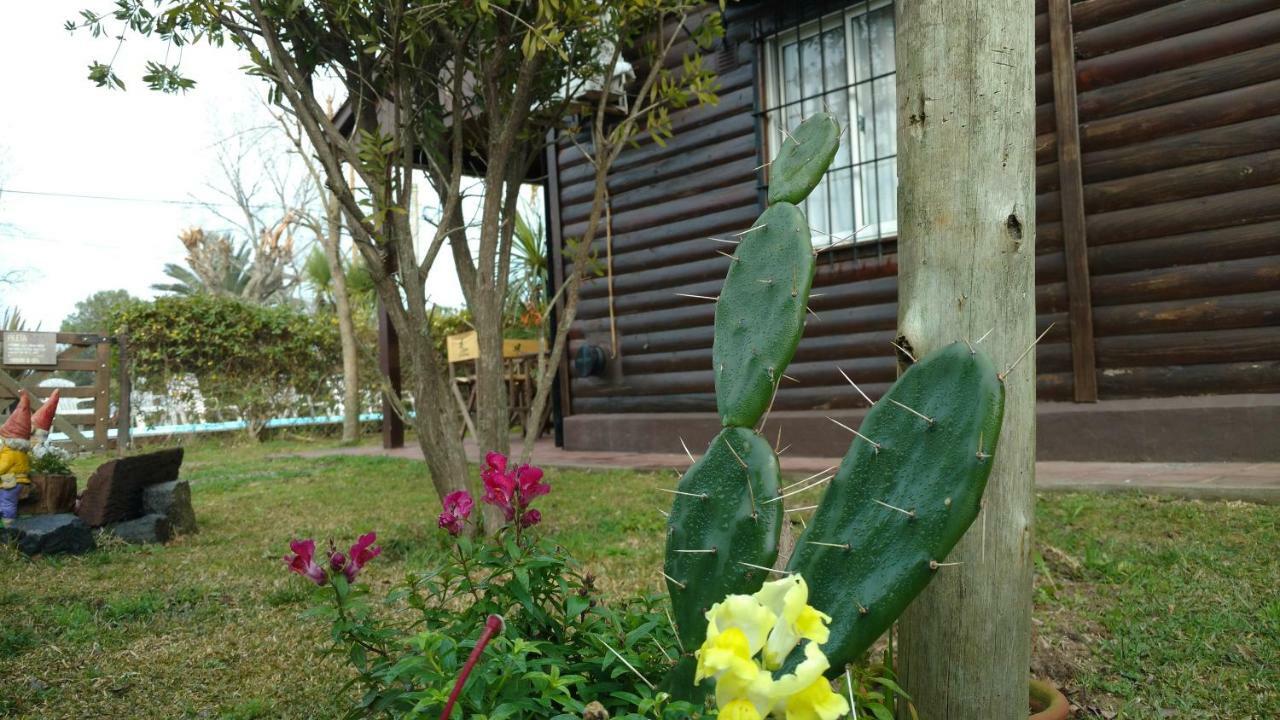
(843, 62)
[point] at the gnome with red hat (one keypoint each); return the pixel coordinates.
(15, 443)
(42, 421)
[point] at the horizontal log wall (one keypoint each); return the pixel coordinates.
(1179, 127)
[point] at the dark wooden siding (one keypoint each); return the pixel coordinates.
(1179, 126)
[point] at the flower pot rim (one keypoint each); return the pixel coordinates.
(1055, 703)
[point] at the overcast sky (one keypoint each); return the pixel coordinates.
(148, 154)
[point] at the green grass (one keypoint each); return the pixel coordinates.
(1151, 608)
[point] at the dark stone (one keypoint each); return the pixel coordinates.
(172, 500)
(144, 530)
(60, 534)
(114, 491)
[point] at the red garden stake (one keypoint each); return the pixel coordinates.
(492, 626)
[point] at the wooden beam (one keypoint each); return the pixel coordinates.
(1083, 362)
(124, 413)
(102, 395)
(389, 364)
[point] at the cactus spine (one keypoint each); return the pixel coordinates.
(909, 487)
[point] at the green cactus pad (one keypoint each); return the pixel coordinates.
(804, 159)
(934, 471)
(760, 314)
(734, 519)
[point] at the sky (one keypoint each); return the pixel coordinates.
(148, 159)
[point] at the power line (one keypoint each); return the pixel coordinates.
(119, 198)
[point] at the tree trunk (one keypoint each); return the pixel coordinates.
(966, 257)
(435, 421)
(346, 326)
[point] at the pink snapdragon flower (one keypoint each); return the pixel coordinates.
(530, 518)
(499, 486)
(361, 553)
(302, 561)
(513, 488)
(457, 508)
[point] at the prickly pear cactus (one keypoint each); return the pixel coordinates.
(909, 487)
(902, 498)
(760, 313)
(721, 524)
(805, 156)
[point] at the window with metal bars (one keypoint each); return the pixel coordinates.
(842, 62)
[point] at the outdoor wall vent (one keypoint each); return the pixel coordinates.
(589, 361)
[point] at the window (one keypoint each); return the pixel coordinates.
(843, 62)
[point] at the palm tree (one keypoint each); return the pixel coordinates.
(214, 266)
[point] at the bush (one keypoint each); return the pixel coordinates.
(563, 647)
(253, 362)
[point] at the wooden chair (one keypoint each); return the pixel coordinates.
(519, 359)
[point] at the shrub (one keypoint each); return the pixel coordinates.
(562, 649)
(251, 362)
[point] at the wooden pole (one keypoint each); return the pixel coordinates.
(1071, 193)
(966, 205)
(389, 363)
(124, 409)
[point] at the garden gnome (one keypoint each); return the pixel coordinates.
(15, 442)
(42, 421)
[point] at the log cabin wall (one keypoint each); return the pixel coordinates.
(1170, 217)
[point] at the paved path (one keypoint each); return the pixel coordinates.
(1253, 482)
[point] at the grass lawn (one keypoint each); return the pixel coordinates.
(1145, 607)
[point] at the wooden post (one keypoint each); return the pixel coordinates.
(101, 393)
(389, 363)
(1071, 193)
(966, 220)
(124, 411)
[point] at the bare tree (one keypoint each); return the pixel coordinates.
(327, 227)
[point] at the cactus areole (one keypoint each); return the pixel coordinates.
(908, 488)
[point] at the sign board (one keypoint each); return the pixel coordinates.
(30, 348)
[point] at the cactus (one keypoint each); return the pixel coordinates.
(909, 487)
(805, 156)
(760, 313)
(902, 497)
(722, 530)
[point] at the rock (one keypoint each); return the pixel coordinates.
(60, 534)
(172, 500)
(113, 492)
(146, 529)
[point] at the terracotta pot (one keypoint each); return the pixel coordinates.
(1047, 703)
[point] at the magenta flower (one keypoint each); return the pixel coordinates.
(530, 518)
(529, 482)
(302, 561)
(499, 487)
(512, 488)
(361, 553)
(457, 508)
(337, 560)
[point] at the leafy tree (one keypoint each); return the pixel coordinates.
(453, 87)
(100, 312)
(252, 362)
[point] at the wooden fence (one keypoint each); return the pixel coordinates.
(78, 355)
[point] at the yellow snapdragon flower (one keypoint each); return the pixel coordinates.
(788, 599)
(770, 623)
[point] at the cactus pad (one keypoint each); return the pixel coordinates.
(760, 313)
(804, 159)
(724, 510)
(892, 510)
